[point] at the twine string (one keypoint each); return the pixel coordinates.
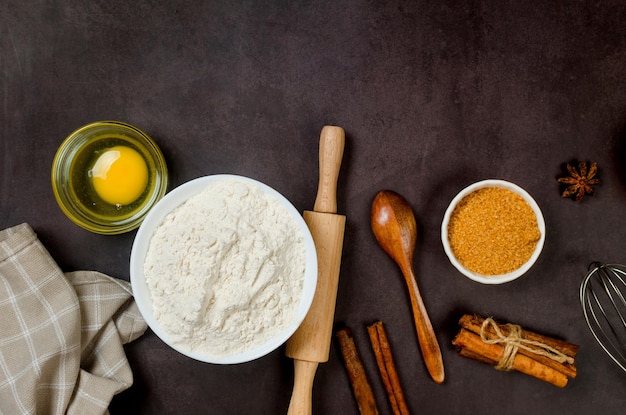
(514, 341)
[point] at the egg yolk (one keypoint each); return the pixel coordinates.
(120, 175)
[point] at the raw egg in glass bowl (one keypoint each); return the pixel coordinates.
(107, 175)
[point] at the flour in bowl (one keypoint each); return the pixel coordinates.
(225, 269)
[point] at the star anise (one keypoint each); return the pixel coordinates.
(579, 181)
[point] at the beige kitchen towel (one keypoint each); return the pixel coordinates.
(61, 335)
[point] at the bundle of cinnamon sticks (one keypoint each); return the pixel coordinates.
(509, 347)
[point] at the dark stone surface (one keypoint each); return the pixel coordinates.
(433, 96)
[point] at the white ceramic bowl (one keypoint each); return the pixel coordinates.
(502, 278)
(142, 292)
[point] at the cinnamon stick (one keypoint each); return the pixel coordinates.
(387, 368)
(468, 341)
(474, 324)
(356, 373)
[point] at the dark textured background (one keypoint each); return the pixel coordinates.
(433, 96)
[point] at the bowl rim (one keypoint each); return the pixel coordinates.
(141, 291)
(501, 278)
(65, 154)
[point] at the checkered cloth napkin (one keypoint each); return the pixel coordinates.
(61, 335)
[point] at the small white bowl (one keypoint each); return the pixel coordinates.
(142, 292)
(502, 278)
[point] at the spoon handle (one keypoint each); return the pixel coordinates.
(332, 143)
(425, 333)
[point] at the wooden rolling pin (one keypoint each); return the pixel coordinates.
(310, 344)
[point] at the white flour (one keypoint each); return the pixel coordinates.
(225, 269)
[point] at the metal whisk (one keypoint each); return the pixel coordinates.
(604, 305)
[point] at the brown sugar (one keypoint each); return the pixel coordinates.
(493, 231)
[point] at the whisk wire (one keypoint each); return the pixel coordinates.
(604, 308)
(611, 289)
(619, 293)
(598, 330)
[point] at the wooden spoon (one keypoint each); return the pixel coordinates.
(394, 226)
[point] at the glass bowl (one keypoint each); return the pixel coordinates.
(501, 277)
(73, 183)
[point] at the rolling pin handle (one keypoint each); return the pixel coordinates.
(302, 397)
(332, 143)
